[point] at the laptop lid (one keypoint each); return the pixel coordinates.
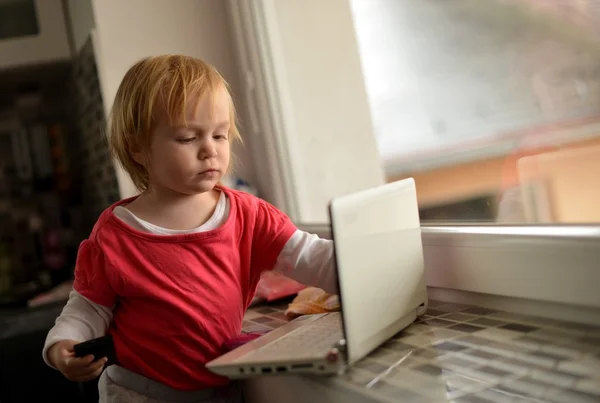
(379, 259)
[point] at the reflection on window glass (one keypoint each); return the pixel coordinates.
(492, 106)
(18, 18)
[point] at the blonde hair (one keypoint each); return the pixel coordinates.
(172, 79)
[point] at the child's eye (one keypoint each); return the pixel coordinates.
(186, 140)
(220, 137)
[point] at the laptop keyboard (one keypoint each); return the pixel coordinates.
(308, 341)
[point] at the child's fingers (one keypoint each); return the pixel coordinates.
(79, 373)
(74, 363)
(93, 367)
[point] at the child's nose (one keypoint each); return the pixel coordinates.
(208, 150)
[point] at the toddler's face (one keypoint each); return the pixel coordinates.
(192, 159)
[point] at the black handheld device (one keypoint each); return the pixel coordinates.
(99, 348)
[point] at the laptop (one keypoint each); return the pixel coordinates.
(381, 279)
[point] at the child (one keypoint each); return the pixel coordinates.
(170, 273)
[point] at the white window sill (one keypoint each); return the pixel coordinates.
(549, 270)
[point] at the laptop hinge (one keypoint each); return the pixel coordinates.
(421, 309)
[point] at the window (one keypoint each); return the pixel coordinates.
(493, 107)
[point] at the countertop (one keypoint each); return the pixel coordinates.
(465, 353)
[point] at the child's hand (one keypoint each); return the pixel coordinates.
(78, 369)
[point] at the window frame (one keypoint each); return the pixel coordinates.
(555, 264)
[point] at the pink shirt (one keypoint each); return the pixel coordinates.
(179, 298)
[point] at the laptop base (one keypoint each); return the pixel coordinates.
(263, 357)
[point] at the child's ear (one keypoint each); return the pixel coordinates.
(137, 154)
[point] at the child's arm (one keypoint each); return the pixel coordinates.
(309, 260)
(80, 320)
(87, 315)
(279, 245)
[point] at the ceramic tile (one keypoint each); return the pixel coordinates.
(513, 368)
(510, 317)
(401, 361)
(593, 340)
(415, 329)
(279, 316)
(358, 376)
(529, 367)
(546, 322)
(526, 387)
(391, 358)
(449, 346)
(496, 396)
(264, 310)
(461, 353)
(372, 366)
(466, 328)
(279, 306)
(439, 322)
(588, 366)
(533, 341)
(459, 316)
(527, 363)
(496, 373)
(573, 396)
(476, 355)
(388, 389)
(470, 399)
(591, 386)
(433, 303)
(261, 319)
(555, 335)
(499, 334)
(415, 380)
(479, 311)
(560, 379)
(585, 344)
(256, 328)
(504, 349)
(435, 312)
(561, 351)
(588, 329)
(539, 358)
(274, 324)
(250, 314)
(383, 352)
(464, 383)
(452, 361)
(397, 345)
(473, 341)
(430, 369)
(477, 374)
(581, 347)
(445, 333)
(428, 354)
(486, 322)
(421, 340)
(517, 327)
(418, 340)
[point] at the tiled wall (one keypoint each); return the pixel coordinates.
(469, 354)
(99, 181)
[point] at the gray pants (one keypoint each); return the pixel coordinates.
(118, 385)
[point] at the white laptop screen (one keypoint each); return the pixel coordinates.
(379, 259)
